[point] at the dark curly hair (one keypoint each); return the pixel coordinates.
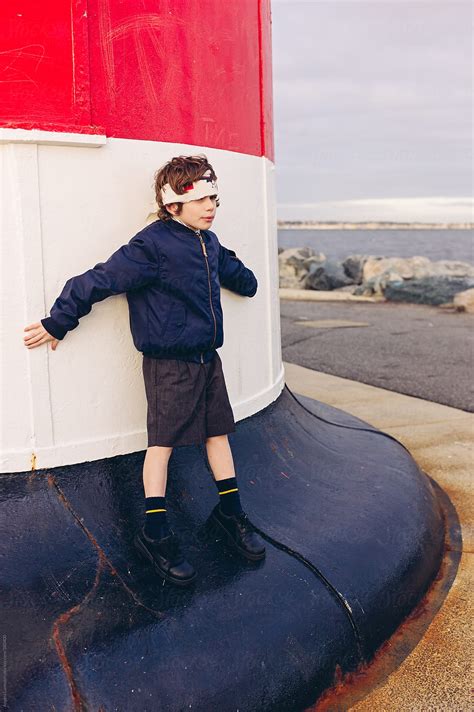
(178, 172)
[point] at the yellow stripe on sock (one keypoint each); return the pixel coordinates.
(149, 511)
(231, 490)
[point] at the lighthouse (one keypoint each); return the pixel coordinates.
(96, 98)
(96, 95)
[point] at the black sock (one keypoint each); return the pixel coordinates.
(156, 524)
(229, 496)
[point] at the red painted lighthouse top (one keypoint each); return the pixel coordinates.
(175, 71)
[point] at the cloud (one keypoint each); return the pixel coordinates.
(371, 100)
(429, 209)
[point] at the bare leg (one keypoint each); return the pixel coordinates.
(220, 457)
(155, 470)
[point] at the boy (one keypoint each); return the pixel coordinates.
(171, 272)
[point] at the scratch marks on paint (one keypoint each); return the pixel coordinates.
(106, 49)
(103, 563)
(222, 137)
(276, 449)
(81, 97)
(146, 21)
(161, 71)
(143, 66)
(143, 30)
(102, 556)
(19, 63)
(211, 133)
(73, 59)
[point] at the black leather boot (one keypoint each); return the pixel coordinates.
(166, 557)
(239, 533)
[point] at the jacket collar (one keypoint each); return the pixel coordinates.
(178, 228)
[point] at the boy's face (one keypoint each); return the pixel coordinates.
(198, 214)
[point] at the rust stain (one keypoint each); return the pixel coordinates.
(52, 482)
(34, 471)
(353, 686)
(100, 551)
(275, 448)
(62, 620)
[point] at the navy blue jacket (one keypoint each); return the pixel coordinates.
(172, 277)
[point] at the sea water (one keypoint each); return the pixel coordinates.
(338, 244)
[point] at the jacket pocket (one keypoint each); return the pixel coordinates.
(175, 322)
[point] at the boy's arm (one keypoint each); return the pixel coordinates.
(234, 275)
(133, 265)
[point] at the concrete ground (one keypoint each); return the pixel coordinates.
(437, 673)
(415, 349)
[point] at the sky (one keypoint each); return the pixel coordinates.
(373, 109)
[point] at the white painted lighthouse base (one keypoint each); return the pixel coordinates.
(66, 207)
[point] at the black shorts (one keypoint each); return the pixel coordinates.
(187, 402)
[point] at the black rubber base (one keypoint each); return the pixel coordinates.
(353, 533)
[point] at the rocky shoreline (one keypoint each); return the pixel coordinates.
(413, 279)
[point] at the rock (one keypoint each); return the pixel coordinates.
(415, 279)
(376, 285)
(326, 276)
(294, 265)
(353, 267)
(437, 289)
(464, 301)
(406, 268)
(415, 267)
(452, 268)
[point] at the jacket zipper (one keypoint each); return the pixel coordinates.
(203, 246)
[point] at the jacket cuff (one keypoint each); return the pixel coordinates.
(254, 291)
(53, 328)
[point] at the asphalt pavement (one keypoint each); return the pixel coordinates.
(415, 349)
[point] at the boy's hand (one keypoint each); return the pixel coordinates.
(38, 335)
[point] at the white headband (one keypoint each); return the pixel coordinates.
(194, 191)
